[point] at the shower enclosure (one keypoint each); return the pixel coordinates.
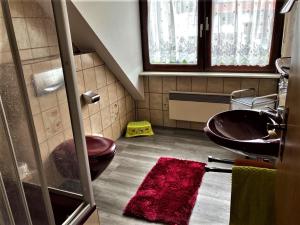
(35, 39)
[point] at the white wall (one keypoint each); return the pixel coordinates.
(114, 32)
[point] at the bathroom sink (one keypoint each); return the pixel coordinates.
(244, 131)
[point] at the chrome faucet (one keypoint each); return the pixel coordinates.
(279, 115)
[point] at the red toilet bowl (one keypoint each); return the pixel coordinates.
(100, 150)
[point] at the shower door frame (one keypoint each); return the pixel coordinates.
(69, 71)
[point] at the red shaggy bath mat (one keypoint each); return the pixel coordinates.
(168, 193)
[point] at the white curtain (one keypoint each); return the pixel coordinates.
(242, 32)
(172, 31)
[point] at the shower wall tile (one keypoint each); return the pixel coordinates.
(100, 76)
(89, 79)
(36, 32)
(87, 60)
(78, 65)
(97, 60)
(112, 93)
(110, 78)
(39, 125)
(21, 33)
(52, 121)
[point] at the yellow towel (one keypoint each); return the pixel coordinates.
(253, 196)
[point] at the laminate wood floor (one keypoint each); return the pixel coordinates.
(136, 156)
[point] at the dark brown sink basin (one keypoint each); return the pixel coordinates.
(244, 131)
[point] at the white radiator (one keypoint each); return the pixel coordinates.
(196, 106)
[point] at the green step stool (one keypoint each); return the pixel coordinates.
(139, 128)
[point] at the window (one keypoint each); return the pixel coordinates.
(216, 35)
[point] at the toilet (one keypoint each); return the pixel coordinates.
(101, 152)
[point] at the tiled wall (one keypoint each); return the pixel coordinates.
(34, 29)
(155, 107)
(51, 113)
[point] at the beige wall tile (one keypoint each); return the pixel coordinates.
(123, 123)
(97, 60)
(25, 54)
(155, 84)
(80, 82)
(167, 121)
(145, 103)
(41, 67)
(106, 117)
(33, 100)
(61, 95)
(4, 43)
(84, 109)
(155, 101)
(16, 9)
(36, 32)
(268, 86)
(156, 117)
(116, 130)
(146, 83)
(94, 108)
(68, 133)
(129, 103)
(250, 83)
(110, 77)
(40, 52)
(52, 121)
(120, 90)
(21, 33)
(65, 115)
(87, 126)
(32, 9)
(122, 107)
(143, 114)
(231, 84)
(199, 84)
(169, 84)
(215, 85)
(54, 141)
(89, 79)
(96, 123)
(87, 60)
(165, 101)
(114, 112)
(48, 101)
(78, 65)
(112, 93)
(107, 132)
(39, 128)
(5, 57)
(183, 124)
(184, 84)
(51, 32)
(44, 151)
(104, 99)
(100, 76)
(131, 116)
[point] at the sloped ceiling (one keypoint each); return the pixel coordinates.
(112, 29)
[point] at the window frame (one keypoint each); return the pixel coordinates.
(204, 44)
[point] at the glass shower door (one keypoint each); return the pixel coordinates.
(42, 132)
